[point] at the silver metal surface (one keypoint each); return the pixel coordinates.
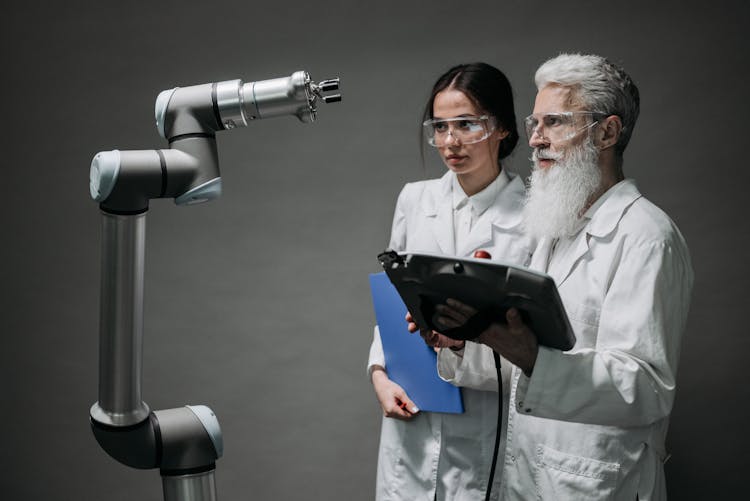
(121, 321)
(211, 423)
(280, 96)
(160, 109)
(229, 102)
(105, 168)
(195, 487)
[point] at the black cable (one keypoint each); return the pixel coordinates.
(499, 423)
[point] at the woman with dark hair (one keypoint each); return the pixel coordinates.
(476, 205)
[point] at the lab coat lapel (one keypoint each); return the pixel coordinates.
(604, 216)
(541, 255)
(543, 252)
(439, 215)
(581, 249)
(503, 213)
(480, 236)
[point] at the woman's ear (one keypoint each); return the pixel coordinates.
(608, 132)
(501, 133)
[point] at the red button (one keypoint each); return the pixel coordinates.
(482, 254)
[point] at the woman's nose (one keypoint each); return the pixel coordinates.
(452, 138)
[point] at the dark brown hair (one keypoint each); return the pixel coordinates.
(490, 91)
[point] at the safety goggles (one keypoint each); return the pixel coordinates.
(464, 130)
(560, 126)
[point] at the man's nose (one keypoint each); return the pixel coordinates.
(537, 139)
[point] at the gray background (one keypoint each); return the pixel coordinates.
(257, 304)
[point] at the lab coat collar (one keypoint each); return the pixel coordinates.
(607, 211)
(457, 194)
(440, 214)
(504, 212)
(481, 201)
(506, 209)
(603, 216)
(540, 256)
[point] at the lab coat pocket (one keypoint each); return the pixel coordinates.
(584, 319)
(584, 313)
(561, 477)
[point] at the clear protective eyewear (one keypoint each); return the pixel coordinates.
(560, 126)
(464, 130)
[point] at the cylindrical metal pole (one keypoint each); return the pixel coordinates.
(193, 487)
(121, 321)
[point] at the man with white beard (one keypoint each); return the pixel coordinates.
(589, 423)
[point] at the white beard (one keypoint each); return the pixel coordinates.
(557, 196)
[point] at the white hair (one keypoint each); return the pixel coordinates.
(558, 195)
(599, 84)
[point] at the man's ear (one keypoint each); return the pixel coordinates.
(608, 131)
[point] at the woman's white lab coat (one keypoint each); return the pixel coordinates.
(448, 452)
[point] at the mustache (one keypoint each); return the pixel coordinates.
(545, 154)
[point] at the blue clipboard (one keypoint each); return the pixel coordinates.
(409, 361)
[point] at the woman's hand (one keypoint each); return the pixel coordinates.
(393, 399)
(454, 313)
(433, 338)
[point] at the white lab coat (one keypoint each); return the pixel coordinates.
(448, 452)
(591, 423)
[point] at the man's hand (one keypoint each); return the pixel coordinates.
(393, 399)
(514, 340)
(433, 338)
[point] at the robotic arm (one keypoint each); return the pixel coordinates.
(189, 117)
(185, 442)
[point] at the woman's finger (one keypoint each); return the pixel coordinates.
(463, 308)
(454, 314)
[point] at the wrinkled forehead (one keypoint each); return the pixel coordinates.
(556, 98)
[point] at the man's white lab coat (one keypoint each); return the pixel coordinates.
(591, 423)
